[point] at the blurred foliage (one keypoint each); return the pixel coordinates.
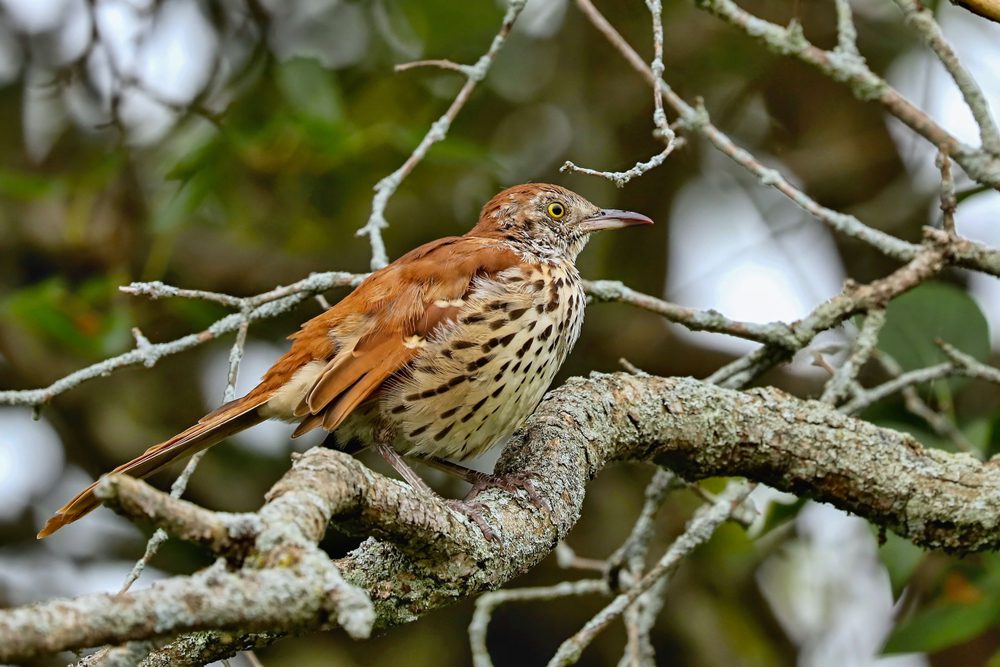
(272, 183)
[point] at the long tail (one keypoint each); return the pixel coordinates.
(213, 428)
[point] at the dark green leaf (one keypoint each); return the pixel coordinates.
(943, 626)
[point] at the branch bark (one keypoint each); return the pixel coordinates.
(936, 499)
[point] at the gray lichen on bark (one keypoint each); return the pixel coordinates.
(427, 556)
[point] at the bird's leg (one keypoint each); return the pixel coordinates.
(481, 480)
(393, 458)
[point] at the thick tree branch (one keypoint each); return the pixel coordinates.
(936, 499)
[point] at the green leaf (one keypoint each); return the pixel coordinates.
(931, 311)
(310, 90)
(25, 186)
(81, 320)
(943, 626)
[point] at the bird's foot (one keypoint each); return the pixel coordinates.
(473, 511)
(520, 481)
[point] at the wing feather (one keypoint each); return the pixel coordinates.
(390, 316)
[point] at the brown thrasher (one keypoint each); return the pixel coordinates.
(439, 355)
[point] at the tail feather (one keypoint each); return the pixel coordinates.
(211, 429)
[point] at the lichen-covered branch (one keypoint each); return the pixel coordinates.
(262, 306)
(936, 499)
(922, 20)
(982, 164)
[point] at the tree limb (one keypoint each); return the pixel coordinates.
(936, 499)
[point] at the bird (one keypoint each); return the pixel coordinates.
(440, 355)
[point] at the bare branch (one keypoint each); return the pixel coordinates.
(777, 333)
(262, 306)
(840, 384)
(847, 34)
(982, 165)
(968, 365)
(942, 425)
(385, 188)
(922, 20)
(220, 532)
(488, 602)
(948, 201)
(698, 531)
(868, 397)
(662, 130)
(696, 119)
(934, 498)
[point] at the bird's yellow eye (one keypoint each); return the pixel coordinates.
(556, 210)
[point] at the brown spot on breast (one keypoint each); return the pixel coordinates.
(462, 344)
(496, 392)
(417, 431)
(516, 314)
(546, 332)
(497, 323)
(449, 413)
(443, 432)
(474, 409)
(480, 362)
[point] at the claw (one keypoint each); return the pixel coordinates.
(472, 511)
(521, 481)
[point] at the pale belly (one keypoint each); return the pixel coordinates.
(479, 378)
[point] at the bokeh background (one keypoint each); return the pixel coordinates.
(233, 145)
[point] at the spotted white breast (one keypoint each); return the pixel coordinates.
(478, 377)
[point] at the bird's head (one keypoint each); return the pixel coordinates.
(548, 221)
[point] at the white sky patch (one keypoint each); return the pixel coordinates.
(272, 438)
(979, 219)
(31, 458)
(176, 56)
(748, 253)
(35, 16)
(831, 594)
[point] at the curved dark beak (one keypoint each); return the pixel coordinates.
(611, 218)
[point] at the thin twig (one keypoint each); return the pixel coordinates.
(662, 129)
(968, 365)
(839, 386)
(941, 424)
(778, 333)
(922, 20)
(386, 187)
(871, 396)
(180, 484)
(701, 527)
(488, 602)
(696, 119)
(948, 201)
(982, 165)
